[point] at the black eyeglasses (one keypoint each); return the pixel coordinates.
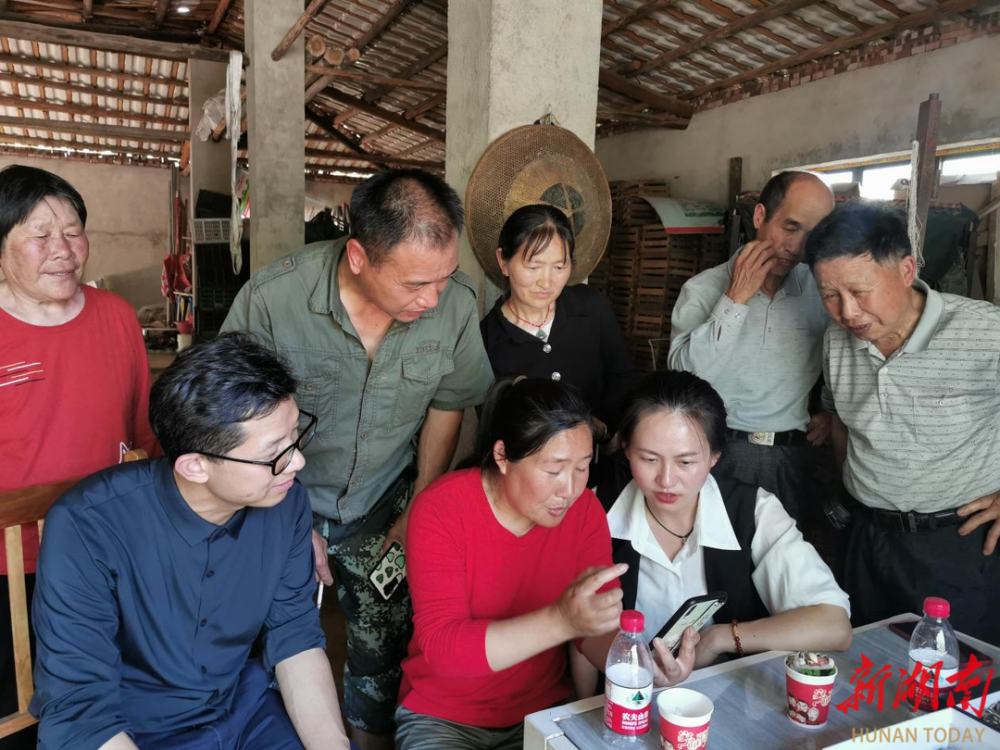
(280, 462)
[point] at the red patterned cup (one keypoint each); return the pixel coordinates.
(684, 718)
(808, 702)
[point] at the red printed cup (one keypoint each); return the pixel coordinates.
(684, 718)
(808, 697)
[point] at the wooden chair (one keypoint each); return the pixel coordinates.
(17, 508)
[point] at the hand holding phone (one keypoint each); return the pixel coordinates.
(694, 613)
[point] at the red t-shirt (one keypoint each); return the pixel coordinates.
(466, 570)
(74, 398)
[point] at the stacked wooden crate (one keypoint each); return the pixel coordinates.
(644, 268)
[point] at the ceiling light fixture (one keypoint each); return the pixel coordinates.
(183, 9)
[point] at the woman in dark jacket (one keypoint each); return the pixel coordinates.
(545, 329)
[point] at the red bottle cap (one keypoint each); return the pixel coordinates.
(934, 606)
(633, 621)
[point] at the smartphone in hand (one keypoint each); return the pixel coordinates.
(693, 613)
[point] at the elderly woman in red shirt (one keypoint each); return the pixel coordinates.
(508, 562)
(74, 380)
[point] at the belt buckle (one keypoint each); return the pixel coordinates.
(762, 438)
(910, 524)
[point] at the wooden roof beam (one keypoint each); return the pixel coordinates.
(162, 6)
(23, 140)
(666, 103)
(34, 32)
(61, 67)
(88, 9)
(889, 7)
(95, 130)
(355, 75)
(293, 33)
(632, 16)
(425, 106)
(383, 114)
(218, 17)
(382, 24)
(722, 32)
(843, 43)
(325, 124)
(833, 10)
(376, 159)
(85, 111)
(58, 85)
(411, 70)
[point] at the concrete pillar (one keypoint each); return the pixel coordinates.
(276, 131)
(210, 161)
(511, 62)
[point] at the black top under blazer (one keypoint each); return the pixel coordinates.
(587, 350)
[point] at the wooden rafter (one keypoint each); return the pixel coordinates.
(382, 23)
(81, 110)
(425, 106)
(325, 124)
(655, 26)
(844, 43)
(218, 17)
(411, 70)
(722, 32)
(112, 42)
(93, 72)
(162, 6)
(729, 15)
(53, 83)
(833, 10)
(668, 104)
(383, 114)
(355, 75)
(88, 9)
(632, 16)
(293, 33)
(680, 15)
(376, 159)
(142, 135)
(23, 140)
(889, 7)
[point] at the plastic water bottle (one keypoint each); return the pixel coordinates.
(628, 684)
(934, 641)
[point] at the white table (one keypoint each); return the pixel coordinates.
(542, 730)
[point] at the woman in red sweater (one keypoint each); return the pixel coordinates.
(507, 562)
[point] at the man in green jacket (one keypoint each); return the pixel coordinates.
(381, 331)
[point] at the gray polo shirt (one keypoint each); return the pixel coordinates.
(762, 357)
(924, 424)
(369, 413)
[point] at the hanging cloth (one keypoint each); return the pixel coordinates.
(234, 115)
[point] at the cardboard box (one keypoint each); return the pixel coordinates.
(947, 729)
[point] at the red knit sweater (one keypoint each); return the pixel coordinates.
(466, 570)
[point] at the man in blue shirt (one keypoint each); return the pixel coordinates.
(156, 578)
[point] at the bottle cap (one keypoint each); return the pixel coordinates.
(935, 607)
(633, 621)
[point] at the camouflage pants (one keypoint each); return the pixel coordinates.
(378, 631)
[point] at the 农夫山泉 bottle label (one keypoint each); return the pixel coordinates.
(626, 710)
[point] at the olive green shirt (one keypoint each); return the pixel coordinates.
(369, 414)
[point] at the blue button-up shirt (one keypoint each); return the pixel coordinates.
(145, 612)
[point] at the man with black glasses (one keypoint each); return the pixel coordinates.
(155, 578)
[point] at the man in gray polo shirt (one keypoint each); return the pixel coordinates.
(753, 328)
(914, 379)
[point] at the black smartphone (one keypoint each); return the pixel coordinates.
(693, 613)
(905, 630)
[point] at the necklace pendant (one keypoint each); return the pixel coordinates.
(541, 334)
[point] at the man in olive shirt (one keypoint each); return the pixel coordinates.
(382, 333)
